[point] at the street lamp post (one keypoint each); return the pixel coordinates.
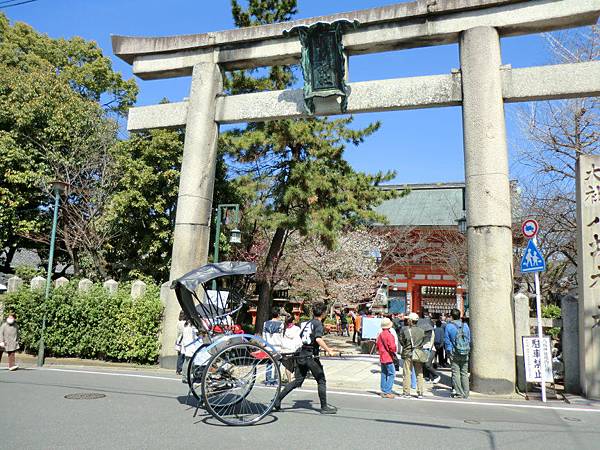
(236, 234)
(462, 222)
(58, 187)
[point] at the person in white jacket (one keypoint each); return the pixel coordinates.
(189, 343)
(178, 340)
(290, 343)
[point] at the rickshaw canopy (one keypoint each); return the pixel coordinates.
(208, 272)
(186, 286)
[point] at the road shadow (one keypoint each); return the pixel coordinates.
(190, 401)
(210, 420)
(302, 404)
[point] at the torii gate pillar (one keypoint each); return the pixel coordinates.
(488, 213)
(194, 203)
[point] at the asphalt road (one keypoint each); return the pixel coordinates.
(144, 409)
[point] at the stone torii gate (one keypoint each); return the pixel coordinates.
(481, 87)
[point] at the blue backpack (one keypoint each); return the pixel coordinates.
(462, 346)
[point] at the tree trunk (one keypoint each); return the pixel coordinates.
(75, 261)
(100, 264)
(265, 281)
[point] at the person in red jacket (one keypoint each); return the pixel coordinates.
(387, 348)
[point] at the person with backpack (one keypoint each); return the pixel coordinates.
(457, 339)
(311, 334)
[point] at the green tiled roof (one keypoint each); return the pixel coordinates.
(425, 205)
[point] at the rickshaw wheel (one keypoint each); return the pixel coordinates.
(194, 373)
(230, 384)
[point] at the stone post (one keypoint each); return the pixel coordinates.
(522, 328)
(569, 308)
(194, 202)
(84, 285)
(111, 286)
(138, 289)
(37, 283)
(62, 281)
(488, 213)
(14, 284)
(165, 293)
(588, 261)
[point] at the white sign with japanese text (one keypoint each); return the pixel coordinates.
(533, 359)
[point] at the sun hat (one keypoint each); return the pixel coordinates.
(386, 323)
(413, 316)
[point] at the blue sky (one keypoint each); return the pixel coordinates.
(421, 146)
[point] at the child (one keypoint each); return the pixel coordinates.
(9, 340)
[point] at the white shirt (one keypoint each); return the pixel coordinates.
(290, 341)
(190, 334)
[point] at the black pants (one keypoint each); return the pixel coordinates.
(180, 359)
(304, 364)
(441, 355)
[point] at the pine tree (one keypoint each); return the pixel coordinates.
(294, 169)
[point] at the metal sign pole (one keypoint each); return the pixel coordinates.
(538, 305)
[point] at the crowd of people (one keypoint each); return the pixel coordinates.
(421, 345)
(424, 345)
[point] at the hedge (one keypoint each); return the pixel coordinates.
(91, 325)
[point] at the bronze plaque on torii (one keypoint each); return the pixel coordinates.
(323, 61)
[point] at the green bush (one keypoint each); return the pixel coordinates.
(93, 324)
(552, 312)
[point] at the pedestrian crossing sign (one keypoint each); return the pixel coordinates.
(532, 260)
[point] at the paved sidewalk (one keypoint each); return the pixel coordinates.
(362, 372)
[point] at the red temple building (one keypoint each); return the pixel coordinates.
(425, 260)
